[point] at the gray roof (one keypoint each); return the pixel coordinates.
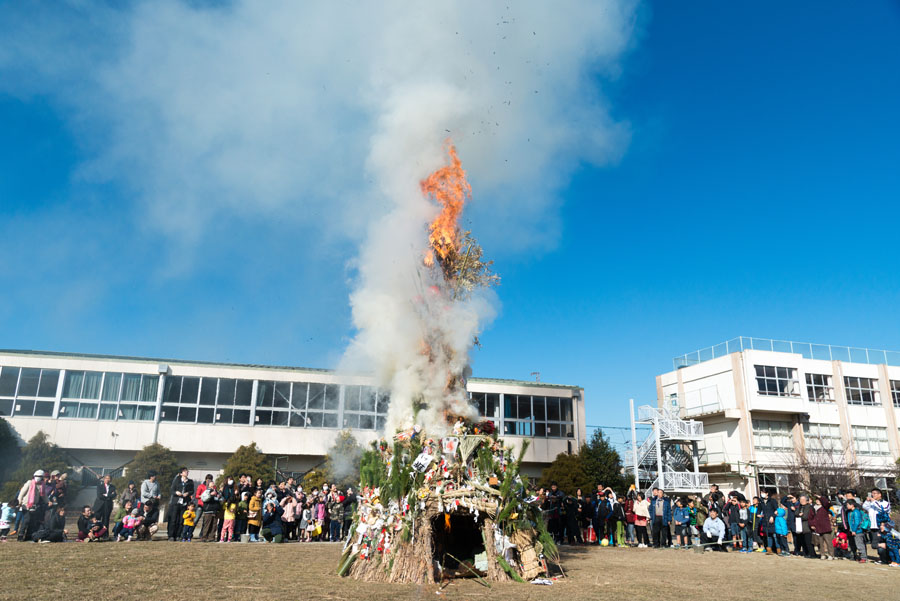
(250, 365)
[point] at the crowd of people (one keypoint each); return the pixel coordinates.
(247, 509)
(273, 512)
(205, 512)
(805, 525)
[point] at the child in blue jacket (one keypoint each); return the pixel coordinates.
(7, 518)
(781, 532)
(682, 518)
(858, 527)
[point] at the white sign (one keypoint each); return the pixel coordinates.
(422, 462)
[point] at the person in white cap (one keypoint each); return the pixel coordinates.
(31, 503)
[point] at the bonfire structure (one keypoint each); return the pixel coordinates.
(445, 498)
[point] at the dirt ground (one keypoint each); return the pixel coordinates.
(201, 572)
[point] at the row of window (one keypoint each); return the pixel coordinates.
(194, 399)
(28, 382)
(292, 404)
(783, 382)
(771, 435)
(525, 415)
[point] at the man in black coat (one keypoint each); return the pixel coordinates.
(182, 492)
(103, 505)
(554, 513)
(769, 507)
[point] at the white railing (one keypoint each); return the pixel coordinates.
(826, 352)
(683, 481)
(646, 448)
(703, 409)
(670, 425)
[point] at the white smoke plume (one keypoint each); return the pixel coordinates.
(328, 114)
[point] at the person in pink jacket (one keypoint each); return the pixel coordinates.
(129, 523)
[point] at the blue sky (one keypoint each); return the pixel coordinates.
(757, 195)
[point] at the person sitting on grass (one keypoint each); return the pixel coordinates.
(713, 531)
(97, 532)
(8, 514)
(889, 542)
(841, 546)
(187, 518)
(55, 529)
(119, 517)
(129, 523)
(271, 527)
(150, 524)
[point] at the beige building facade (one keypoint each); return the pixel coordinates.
(771, 408)
(102, 409)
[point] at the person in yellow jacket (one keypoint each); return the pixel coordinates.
(228, 522)
(188, 517)
(254, 516)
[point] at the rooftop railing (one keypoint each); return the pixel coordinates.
(826, 352)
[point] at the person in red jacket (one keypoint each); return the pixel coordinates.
(628, 508)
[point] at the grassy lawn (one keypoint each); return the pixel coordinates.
(200, 572)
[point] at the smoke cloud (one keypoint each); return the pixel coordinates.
(328, 114)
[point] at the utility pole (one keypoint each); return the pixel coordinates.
(634, 448)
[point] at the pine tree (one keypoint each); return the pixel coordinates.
(602, 462)
(568, 471)
(38, 454)
(154, 457)
(9, 450)
(248, 459)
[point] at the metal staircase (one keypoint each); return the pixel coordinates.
(668, 458)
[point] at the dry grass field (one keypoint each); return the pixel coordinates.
(201, 572)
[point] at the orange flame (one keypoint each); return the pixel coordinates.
(448, 186)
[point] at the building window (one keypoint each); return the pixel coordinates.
(819, 388)
(545, 417)
(895, 392)
(22, 388)
(777, 381)
(365, 407)
(778, 482)
(122, 396)
(772, 435)
(273, 403)
(322, 405)
(823, 438)
(870, 440)
(862, 391)
(180, 396)
(232, 401)
(488, 406)
(207, 400)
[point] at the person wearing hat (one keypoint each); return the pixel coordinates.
(62, 489)
(150, 489)
(48, 491)
(31, 504)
